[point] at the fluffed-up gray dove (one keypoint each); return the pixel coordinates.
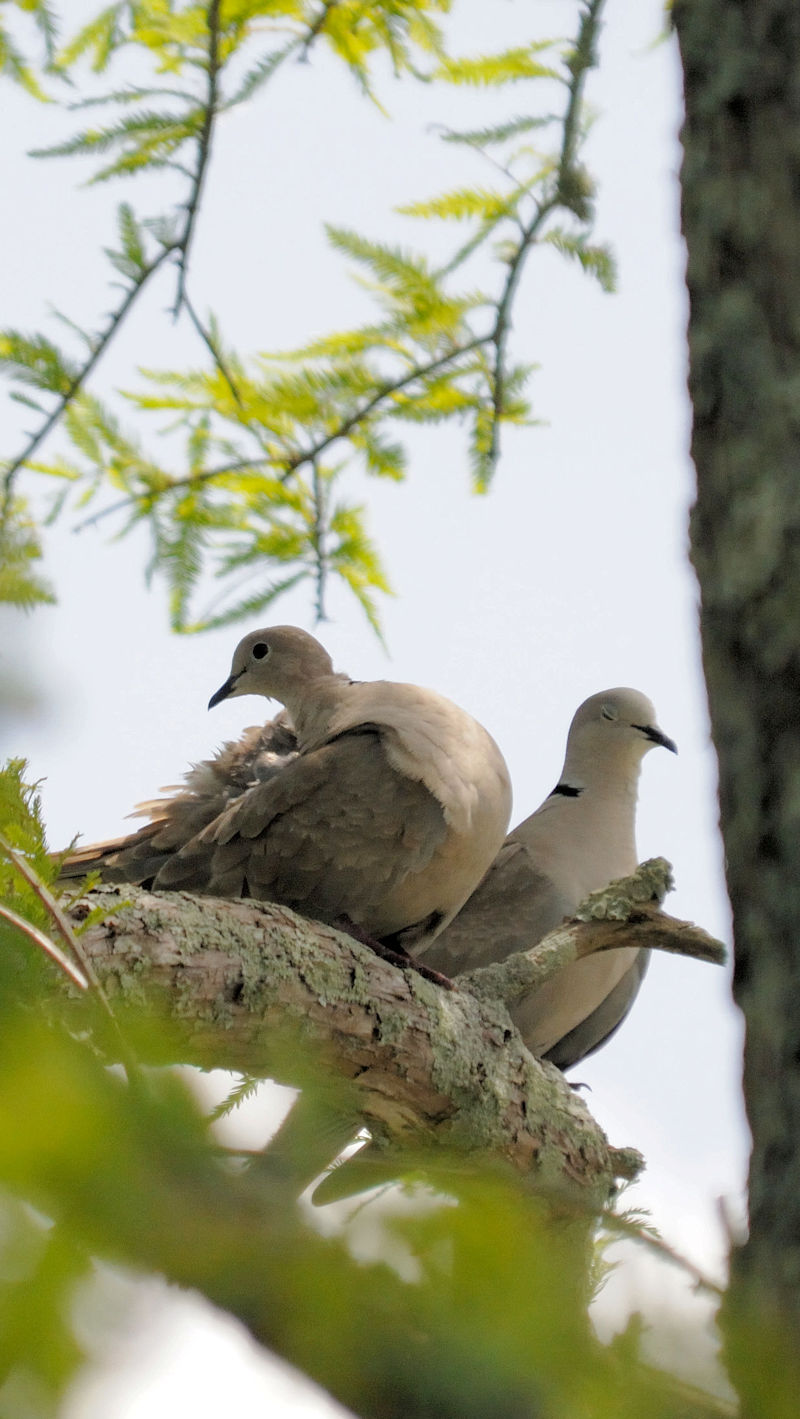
(580, 839)
(208, 789)
(378, 805)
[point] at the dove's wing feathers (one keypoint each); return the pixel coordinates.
(600, 988)
(335, 834)
(598, 1027)
(514, 906)
(208, 788)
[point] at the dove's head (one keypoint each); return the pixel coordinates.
(611, 730)
(278, 662)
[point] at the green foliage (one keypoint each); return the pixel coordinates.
(22, 825)
(485, 1294)
(13, 63)
(257, 532)
(497, 133)
(245, 1088)
(598, 261)
(145, 139)
(484, 1289)
(177, 40)
(42, 1271)
(26, 873)
(507, 67)
(252, 506)
(36, 361)
(460, 204)
(20, 549)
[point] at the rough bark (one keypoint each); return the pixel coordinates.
(741, 219)
(241, 982)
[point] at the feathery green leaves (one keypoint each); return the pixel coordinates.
(27, 908)
(20, 548)
(597, 261)
(22, 824)
(36, 361)
(13, 62)
(248, 509)
(144, 139)
(508, 67)
(246, 527)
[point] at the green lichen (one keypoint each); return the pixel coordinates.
(650, 882)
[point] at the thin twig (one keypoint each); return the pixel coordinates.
(203, 154)
(38, 937)
(212, 347)
(98, 349)
(583, 59)
(60, 918)
(318, 539)
(314, 29)
(64, 926)
(635, 1233)
(291, 463)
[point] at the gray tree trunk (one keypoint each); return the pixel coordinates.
(741, 219)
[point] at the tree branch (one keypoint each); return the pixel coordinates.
(291, 463)
(98, 349)
(623, 914)
(564, 194)
(242, 982)
(212, 347)
(315, 28)
(203, 153)
(27, 928)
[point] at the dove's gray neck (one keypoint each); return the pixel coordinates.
(595, 802)
(612, 774)
(312, 706)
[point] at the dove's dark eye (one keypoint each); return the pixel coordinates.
(260, 649)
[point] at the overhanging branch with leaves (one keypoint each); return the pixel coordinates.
(255, 501)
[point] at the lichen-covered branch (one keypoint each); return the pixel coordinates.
(626, 913)
(241, 983)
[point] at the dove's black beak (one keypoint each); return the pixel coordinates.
(657, 736)
(224, 690)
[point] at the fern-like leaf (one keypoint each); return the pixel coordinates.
(508, 66)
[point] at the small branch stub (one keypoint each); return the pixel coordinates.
(626, 913)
